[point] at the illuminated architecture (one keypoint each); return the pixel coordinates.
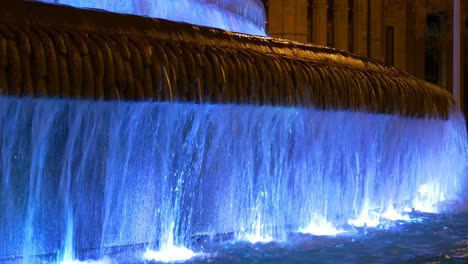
(415, 36)
(127, 139)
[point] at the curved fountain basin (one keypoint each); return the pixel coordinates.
(244, 16)
(258, 136)
(101, 55)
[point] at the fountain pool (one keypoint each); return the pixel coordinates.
(305, 154)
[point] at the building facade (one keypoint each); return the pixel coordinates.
(413, 35)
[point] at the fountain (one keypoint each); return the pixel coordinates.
(123, 132)
(238, 16)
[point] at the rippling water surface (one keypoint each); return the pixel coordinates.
(430, 238)
(427, 238)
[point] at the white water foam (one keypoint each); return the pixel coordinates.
(393, 215)
(257, 234)
(256, 238)
(322, 228)
(170, 254)
(182, 169)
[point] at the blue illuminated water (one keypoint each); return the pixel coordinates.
(428, 239)
(81, 176)
(244, 16)
(115, 181)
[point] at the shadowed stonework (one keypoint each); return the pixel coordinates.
(126, 139)
(100, 55)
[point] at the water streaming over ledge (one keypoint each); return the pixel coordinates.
(245, 16)
(84, 174)
(114, 57)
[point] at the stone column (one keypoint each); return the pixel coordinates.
(319, 22)
(288, 19)
(359, 27)
(340, 24)
(376, 30)
(415, 42)
(457, 24)
(395, 16)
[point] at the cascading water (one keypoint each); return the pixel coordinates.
(88, 179)
(80, 175)
(246, 16)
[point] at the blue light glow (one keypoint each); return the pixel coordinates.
(83, 174)
(248, 16)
